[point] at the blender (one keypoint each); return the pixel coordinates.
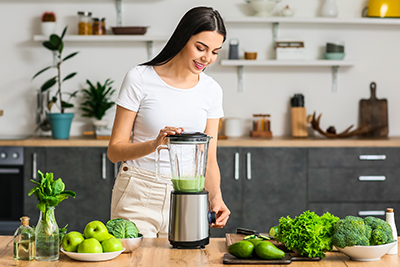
(189, 216)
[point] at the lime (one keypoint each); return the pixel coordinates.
(242, 249)
(266, 250)
(273, 231)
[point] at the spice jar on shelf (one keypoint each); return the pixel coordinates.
(103, 25)
(97, 27)
(261, 126)
(85, 23)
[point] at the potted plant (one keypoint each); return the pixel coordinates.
(48, 23)
(96, 101)
(60, 122)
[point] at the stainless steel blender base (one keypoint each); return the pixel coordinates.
(188, 245)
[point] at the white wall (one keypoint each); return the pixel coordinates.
(375, 49)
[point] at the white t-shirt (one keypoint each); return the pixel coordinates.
(158, 105)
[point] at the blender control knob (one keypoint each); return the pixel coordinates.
(212, 217)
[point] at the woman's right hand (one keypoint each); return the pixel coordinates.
(167, 130)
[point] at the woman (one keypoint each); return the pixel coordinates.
(165, 96)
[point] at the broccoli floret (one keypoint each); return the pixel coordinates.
(350, 231)
(355, 231)
(381, 231)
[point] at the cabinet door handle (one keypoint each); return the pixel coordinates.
(34, 166)
(236, 166)
(103, 166)
(371, 213)
(372, 157)
(248, 166)
(379, 178)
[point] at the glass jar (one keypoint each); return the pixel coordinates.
(24, 241)
(261, 123)
(98, 29)
(103, 25)
(47, 236)
(85, 23)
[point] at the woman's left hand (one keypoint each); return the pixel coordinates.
(222, 212)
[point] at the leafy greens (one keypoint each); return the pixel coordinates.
(121, 228)
(309, 233)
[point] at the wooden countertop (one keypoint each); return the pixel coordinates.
(230, 142)
(158, 252)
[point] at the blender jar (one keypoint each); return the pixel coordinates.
(188, 161)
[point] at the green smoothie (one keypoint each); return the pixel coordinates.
(188, 184)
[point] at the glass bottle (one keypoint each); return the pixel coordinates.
(47, 236)
(24, 241)
(390, 220)
(85, 23)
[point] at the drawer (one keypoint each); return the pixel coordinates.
(354, 157)
(353, 184)
(363, 210)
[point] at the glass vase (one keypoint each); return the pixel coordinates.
(47, 234)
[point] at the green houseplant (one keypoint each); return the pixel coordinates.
(97, 100)
(60, 122)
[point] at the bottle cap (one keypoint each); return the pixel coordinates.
(25, 220)
(389, 210)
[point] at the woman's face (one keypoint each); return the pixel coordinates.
(201, 50)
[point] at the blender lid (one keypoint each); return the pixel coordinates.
(189, 137)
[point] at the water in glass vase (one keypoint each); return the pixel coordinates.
(47, 234)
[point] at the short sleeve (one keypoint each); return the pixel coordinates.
(215, 110)
(131, 92)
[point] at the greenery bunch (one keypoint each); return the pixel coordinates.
(56, 45)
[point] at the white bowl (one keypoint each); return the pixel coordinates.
(263, 8)
(131, 243)
(367, 253)
(92, 256)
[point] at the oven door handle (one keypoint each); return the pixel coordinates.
(9, 170)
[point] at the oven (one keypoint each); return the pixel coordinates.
(11, 188)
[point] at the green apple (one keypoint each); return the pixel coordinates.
(109, 236)
(90, 245)
(97, 230)
(111, 245)
(71, 241)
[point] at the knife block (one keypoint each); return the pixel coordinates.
(299, 122)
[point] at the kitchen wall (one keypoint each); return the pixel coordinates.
(373, 48)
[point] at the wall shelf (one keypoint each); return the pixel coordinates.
(334, 64)
(111, 38)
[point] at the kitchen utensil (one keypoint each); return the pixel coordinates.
(189, 217)
(233, 49)
(131, 244)
(383, 8)
(105, 256)
(245, 231)
(374, 112)
(299, 122)
(263, 8)
(129, 30)
(294, 255)
(334, 56)
(367, 253)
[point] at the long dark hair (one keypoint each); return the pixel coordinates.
(196, 20)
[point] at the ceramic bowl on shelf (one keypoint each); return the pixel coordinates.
(263, 8)
(250, 55)
(130, 244)
(367, 253)
(120, 30)
(334, 56)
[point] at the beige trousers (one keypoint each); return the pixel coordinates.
(139, 197)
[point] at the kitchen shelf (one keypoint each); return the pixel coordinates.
(111, 38)
(316, 20)
(335, 64)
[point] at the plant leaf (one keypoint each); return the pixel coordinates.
(33, 190)
(69, 193)
(48, 84)
(69, 76)
(60, 48)
(58, 186)
(66, 105)
(41, 206)
(49, 46)
(70, 55)
(64, 31)
(55, 40)
(43, 70)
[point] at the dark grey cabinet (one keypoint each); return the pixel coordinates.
(260, 185)
(84, 170)
(361, 181)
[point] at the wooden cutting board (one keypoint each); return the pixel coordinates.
(290, 255)
(374, 112)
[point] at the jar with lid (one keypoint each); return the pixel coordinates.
(24, 241)
(85, 23)
(98, 28)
